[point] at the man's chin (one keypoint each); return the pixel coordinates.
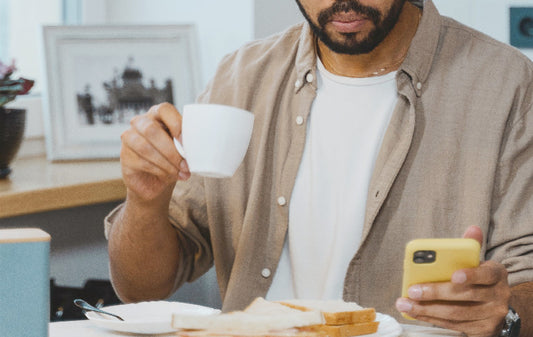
(349, 47)
(347, 43)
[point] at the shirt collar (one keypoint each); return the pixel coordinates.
(305, 56)
(419, 59)
(417, 63)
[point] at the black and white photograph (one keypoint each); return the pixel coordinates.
(99, 77)
(130, 88)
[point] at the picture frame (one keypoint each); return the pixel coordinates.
(99, 77)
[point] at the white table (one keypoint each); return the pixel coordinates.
(86, 329)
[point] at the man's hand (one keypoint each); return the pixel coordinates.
(474, 302)
(150, 162)
(144, 249)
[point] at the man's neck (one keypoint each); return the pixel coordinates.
(386, 57)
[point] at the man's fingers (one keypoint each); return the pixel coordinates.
(449, 292)
(155, 164)
(488, 273)
(474, 318)
(169, 116)
(459, 311)
(155, 138)
(486, 282)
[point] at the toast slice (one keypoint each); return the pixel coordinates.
(244, 321)
(336, 312)
(348, 330)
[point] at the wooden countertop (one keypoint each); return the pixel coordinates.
(37, 185)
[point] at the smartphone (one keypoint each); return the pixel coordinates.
(435, 260)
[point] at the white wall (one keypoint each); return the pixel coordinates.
(24, 44)
(221, 27)
(273, 16)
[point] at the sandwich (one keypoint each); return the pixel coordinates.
(342, 319)
(292, 318)
(261, 318)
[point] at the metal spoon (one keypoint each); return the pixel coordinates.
(87, 307)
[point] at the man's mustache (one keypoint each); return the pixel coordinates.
(346, 6)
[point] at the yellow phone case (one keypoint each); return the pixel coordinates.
(435, 260)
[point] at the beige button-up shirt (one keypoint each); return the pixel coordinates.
(458, 152)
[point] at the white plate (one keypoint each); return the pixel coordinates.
(146, 317)
(156, 318)
(388, 327)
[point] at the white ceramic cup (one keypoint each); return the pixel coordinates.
(215, 138)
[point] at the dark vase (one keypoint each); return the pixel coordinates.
(12, 125)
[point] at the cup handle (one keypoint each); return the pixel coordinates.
(179, 147)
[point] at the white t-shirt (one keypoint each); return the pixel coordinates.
(345, 129)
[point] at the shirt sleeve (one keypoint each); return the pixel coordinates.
(188, 214)
(110, 219)
(510, 241)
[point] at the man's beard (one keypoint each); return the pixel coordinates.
(350, 44)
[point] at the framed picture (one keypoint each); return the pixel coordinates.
(99, 77)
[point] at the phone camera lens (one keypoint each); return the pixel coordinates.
(424, 256)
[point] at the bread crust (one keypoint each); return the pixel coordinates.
(348, 330)
(341, 323)
(341, 317)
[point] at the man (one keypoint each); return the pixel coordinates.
(376, 122)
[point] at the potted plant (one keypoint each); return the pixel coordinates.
(12, 121)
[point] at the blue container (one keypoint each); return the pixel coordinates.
(24, 282)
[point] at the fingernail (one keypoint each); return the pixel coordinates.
(458, 277)
(183, 176)
(415, 292)
(403, 305)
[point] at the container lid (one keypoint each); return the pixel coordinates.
(13, 235)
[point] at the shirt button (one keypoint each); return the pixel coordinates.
(282, 201)
(266, 273)
(419, 85)
(309, 78)
(299, 120)
(298, 83)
